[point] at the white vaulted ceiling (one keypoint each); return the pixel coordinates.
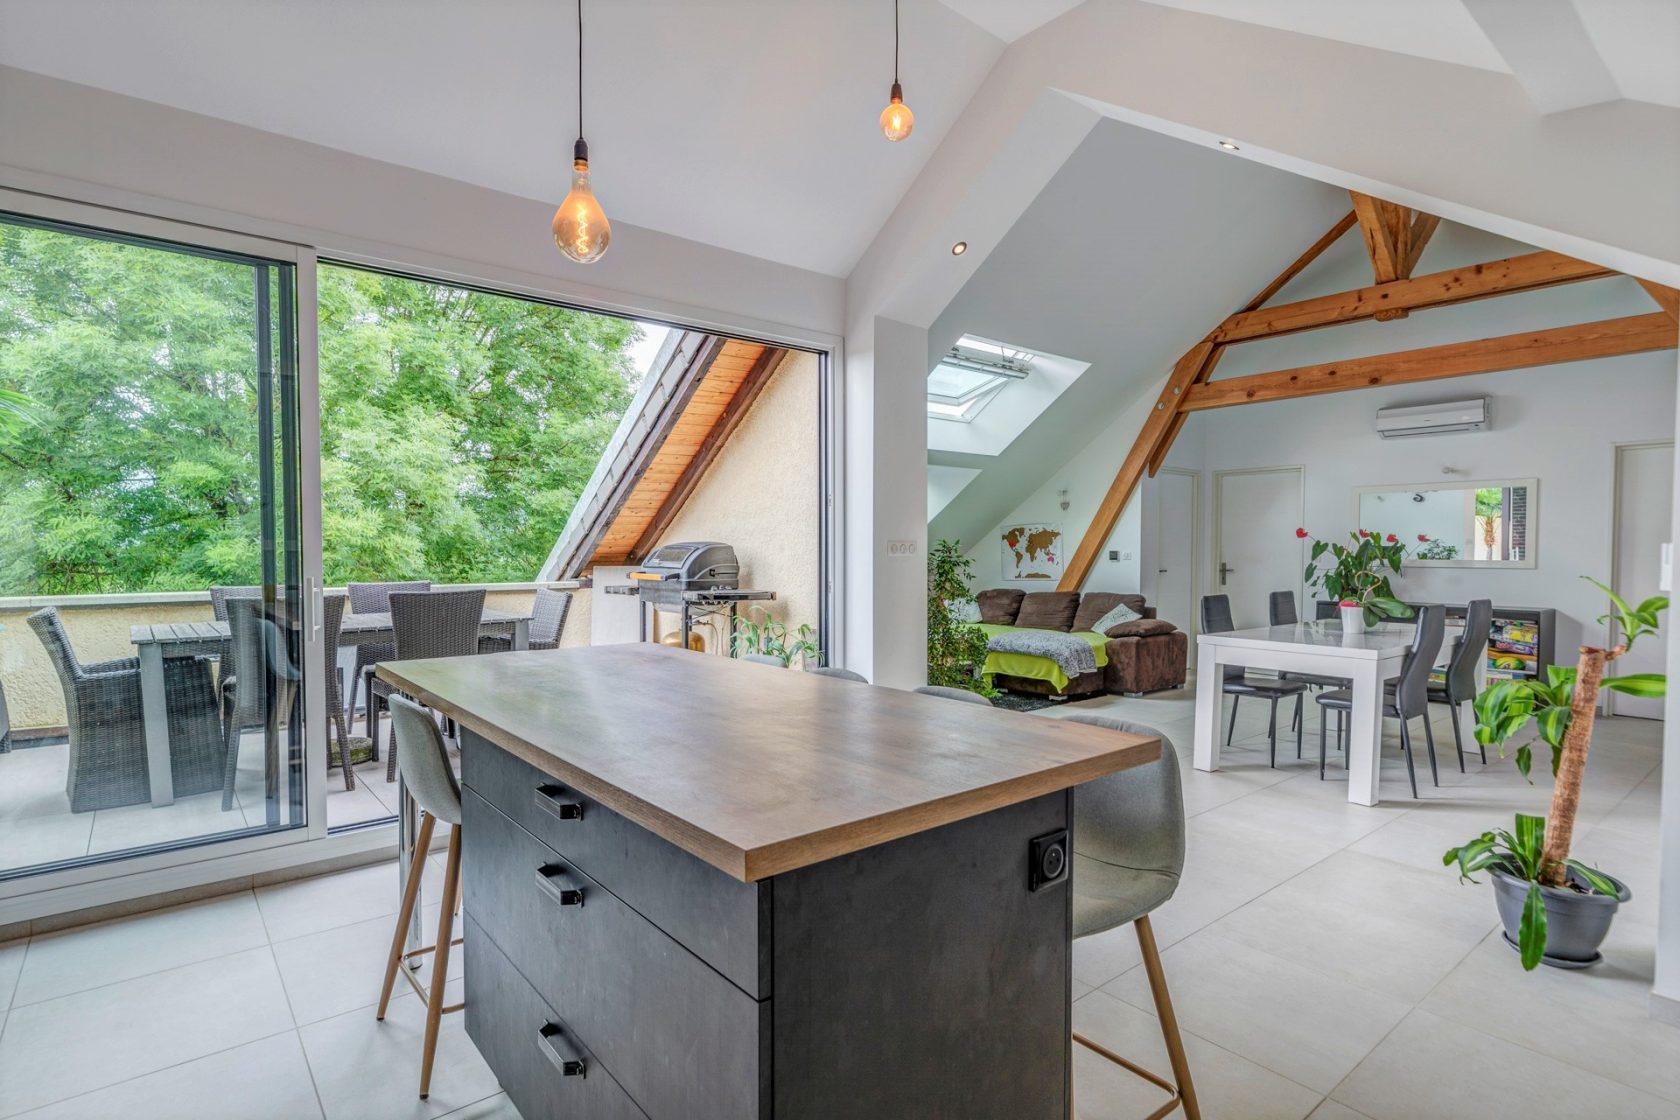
(748, 124)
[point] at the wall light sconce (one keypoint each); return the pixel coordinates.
(1062, 494)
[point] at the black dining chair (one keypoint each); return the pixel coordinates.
(1410, 697)
(1460, 683)
(426, 624)
(1216, 619)
(1280, 611)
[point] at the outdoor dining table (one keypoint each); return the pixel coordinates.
(1366, 660)
(155, 642)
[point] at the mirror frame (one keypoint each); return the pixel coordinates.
(1533, 485)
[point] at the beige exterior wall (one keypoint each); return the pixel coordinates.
(100, 633)
(761, 495)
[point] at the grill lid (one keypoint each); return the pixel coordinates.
(696, 563)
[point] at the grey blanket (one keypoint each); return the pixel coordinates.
(1074, 655)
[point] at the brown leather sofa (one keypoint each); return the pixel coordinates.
(1147, 655)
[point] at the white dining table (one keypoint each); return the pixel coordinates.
(1366, 660)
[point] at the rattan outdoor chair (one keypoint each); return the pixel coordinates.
(374, 598)
(427, 624)
(548, 622)
(107, 754)
(256, 685)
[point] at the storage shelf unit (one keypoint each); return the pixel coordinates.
(1522, 641)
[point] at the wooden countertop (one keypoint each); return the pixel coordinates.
(754, 769)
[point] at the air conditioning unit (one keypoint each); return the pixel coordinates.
(1433, 419)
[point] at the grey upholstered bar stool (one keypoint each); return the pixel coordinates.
(431, 782)
(763, 659)
(839, 674)
(1128, 854)
(962, 694)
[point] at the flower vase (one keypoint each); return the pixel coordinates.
(1353, 620)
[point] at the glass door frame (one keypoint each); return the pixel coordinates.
(124, 877)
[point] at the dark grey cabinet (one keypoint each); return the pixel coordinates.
(914, 978)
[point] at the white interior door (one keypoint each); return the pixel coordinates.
(1256, 551)
(1176, 494)
(1644, 487)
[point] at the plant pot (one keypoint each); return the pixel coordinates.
(1353, 620)
(1576, 922)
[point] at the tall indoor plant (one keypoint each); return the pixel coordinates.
(956, 649)
(1555, 908)
(1358, 575)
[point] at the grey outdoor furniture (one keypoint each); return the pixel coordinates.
(374, 598)
(1216, 619)
(259, 682)
(332, 624)
(763, 659)
(1128, 854)
(962, 694)
(548, 623)
(220, 595)
(839, 674)
(5, 722)
(1410, 697)
(107, 728)
(426, 624)
(430, 780)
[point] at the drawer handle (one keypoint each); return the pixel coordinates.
(547, 1036)
(548, 800)
(565, 896)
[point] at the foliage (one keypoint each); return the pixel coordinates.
(1436, 550)
(768, 635)
(956, 649)
(1519, 854)
(1357, 573)
(1505, 708)
(458, 427)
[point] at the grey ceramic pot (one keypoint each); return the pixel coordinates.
(1576, 923)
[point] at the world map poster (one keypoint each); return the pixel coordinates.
(1032, 552)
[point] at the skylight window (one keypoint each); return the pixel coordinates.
(971, 376)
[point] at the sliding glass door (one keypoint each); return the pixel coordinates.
(153, 622)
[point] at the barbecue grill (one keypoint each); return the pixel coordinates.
(689, 577)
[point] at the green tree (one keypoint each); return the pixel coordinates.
(458, 427)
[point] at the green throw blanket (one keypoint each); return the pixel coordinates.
(1037, 668)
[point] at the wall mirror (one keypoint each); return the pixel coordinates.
(1487, 524)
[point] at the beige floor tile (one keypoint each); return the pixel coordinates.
(1333, 1110)
(32, 782)
(341, 969)
(104, 1036)
(263, 1080)
(12, 955)
(342, 1050)
(75, 960)
(1433, 1069)
(33, 841)
(1228, 1087)
(1302, 1024)
(306, 906)
(497, 1107)
(135, 826)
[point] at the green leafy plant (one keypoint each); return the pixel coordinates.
(1562, 709)
(1435, 550)
(956, 649)
(770, 636)
(1521, 854)
(1358, 574)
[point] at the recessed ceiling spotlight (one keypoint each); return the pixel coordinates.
(1228, 146)
(959, 248)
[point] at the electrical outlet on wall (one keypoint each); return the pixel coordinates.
(901, 548)
(1114, 554)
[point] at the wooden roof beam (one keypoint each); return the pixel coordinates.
(1438, 289)
(1634, 334)
(1667, 298)
(1395, 237)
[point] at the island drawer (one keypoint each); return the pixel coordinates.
(680, 1038)
(528, 1045)
(718, 917)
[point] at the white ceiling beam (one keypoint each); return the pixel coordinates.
(1549, 51)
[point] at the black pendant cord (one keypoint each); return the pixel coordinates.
(580, 150)
(895, 41)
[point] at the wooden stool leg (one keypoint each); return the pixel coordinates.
(1169, 1021)
(440, 957)
(411, 891)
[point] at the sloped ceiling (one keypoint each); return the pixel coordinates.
(1135, 249)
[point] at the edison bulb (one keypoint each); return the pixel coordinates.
(581, 230)
(896, 119)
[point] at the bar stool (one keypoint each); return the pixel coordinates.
(431, 782)
(961, 694)
(1128, 853)
(838, 674)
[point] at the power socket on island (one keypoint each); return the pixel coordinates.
(1047, 860)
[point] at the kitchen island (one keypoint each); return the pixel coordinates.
(701, 888)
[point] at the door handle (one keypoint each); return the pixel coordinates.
(1224, 570)
(1161, 571)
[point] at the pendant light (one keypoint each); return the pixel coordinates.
(581, 230)
(896, 119)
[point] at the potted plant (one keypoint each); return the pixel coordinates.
(1357, 576)
(1556, 909)
(769, 635)
(956, 649)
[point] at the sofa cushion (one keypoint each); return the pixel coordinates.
(1119, 615)
(1048, 610)
(999, 605)
(1094, 604)
(1141, 628)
